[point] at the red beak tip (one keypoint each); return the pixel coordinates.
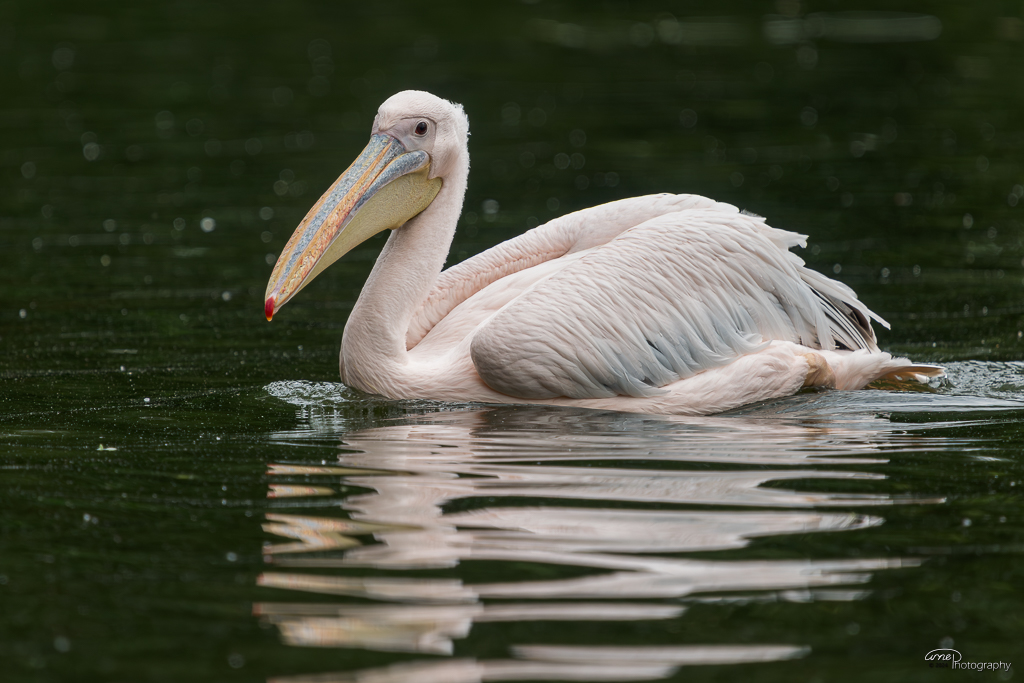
(269, 309)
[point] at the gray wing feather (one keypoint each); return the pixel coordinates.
(671, 297)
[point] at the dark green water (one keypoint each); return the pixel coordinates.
(160, 443)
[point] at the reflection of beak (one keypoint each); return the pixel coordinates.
(383, 188)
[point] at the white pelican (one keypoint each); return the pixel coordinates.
(672, 304)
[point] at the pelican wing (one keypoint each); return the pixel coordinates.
(675, 295)
(567, 234)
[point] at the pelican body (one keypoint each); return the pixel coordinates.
(670, 304)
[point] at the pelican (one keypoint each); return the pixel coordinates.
(667, 304)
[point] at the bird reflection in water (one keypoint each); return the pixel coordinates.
(620, 496)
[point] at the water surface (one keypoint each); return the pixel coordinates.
(188, 494)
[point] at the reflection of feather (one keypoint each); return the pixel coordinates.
(429, 637)
(563, 502)
(476, 671)
(315, 533)
(289, 491)
(376, 588)
(430, 628)
(692, 654)
(561, 663)
(647, 577)
(637, 531)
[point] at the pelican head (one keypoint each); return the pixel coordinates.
(415, 143)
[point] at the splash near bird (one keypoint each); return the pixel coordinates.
(672, 304)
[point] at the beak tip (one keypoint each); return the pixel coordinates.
(268, 309)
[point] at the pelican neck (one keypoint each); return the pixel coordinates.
(374, 342)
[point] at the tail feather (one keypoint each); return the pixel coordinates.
(857, 369)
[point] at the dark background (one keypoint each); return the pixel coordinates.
(155, 157)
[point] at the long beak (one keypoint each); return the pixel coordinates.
(383, 188)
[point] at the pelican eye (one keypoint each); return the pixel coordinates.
(421, 128)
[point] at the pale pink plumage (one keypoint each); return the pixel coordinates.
(665, 304)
